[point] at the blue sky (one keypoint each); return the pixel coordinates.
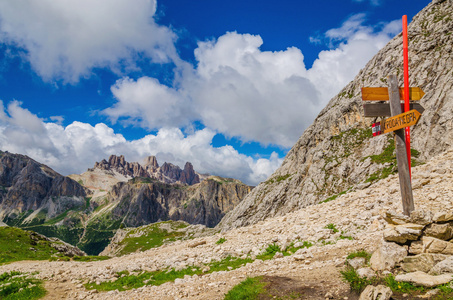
(227, 85)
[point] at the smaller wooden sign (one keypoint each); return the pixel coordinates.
(382, 93)
(383, 109)
(400, 121)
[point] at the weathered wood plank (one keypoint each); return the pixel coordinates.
(400, 146)
(382, 93)
(383, 109)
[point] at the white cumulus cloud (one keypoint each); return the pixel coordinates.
(239, 90)
(66, 39)
(76, 147)
(149, 104)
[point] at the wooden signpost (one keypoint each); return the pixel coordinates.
(396, 123)
(399, 122)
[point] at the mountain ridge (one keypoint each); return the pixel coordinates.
(116, 194)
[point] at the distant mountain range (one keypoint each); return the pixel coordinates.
(87, 209)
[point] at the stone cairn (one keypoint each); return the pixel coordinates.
(417, 249)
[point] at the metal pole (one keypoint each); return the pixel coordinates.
(406, 91)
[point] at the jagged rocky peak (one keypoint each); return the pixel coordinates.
(167, 173)
(151, 163)
(188, 175)
(120, 165)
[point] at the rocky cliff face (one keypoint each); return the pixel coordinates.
(28, 186)
(337, 152)
(143, 201)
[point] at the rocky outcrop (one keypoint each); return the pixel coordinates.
(337, 152)
(122, 170)
(142, 201)
(419, 245)
(59, 245)
(120, 165)
(28, 186)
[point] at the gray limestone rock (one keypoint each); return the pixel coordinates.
(356, 262)
(387, 256)
(422, 279)
(445, 266)
(433, 245)
(366, 273)
(422, 262)
(402, 233)
(380, 292)
(440, 231)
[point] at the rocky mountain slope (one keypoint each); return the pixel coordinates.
(352, 222)
(337, 152)
(31, 191)
(142, 201)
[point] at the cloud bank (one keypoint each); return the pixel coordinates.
(66, 39)
(241, 91)
(74, 148)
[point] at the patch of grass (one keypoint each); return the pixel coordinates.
(360, 253)
(292, 249)
(387, 156)
(151, 236)
(138, 180)
(250, 288)
(356, 283)
(415, 153)
(221, 241)
(128, 281)
(16, 285)
(331, 198)
(332, 227)
(269, 252)
(228, 263)
(284, 177)
(345, 237)
(381, 174)
(17, 244)
(57, 219)
(88, 258)
(401, 287)
(446, 292)
(325, 242)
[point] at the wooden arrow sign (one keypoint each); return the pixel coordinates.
(382, 93)
(383, 109)
(400, 121)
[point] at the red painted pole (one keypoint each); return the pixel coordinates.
(406, 90)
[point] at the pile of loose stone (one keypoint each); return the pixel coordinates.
(417, 249)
